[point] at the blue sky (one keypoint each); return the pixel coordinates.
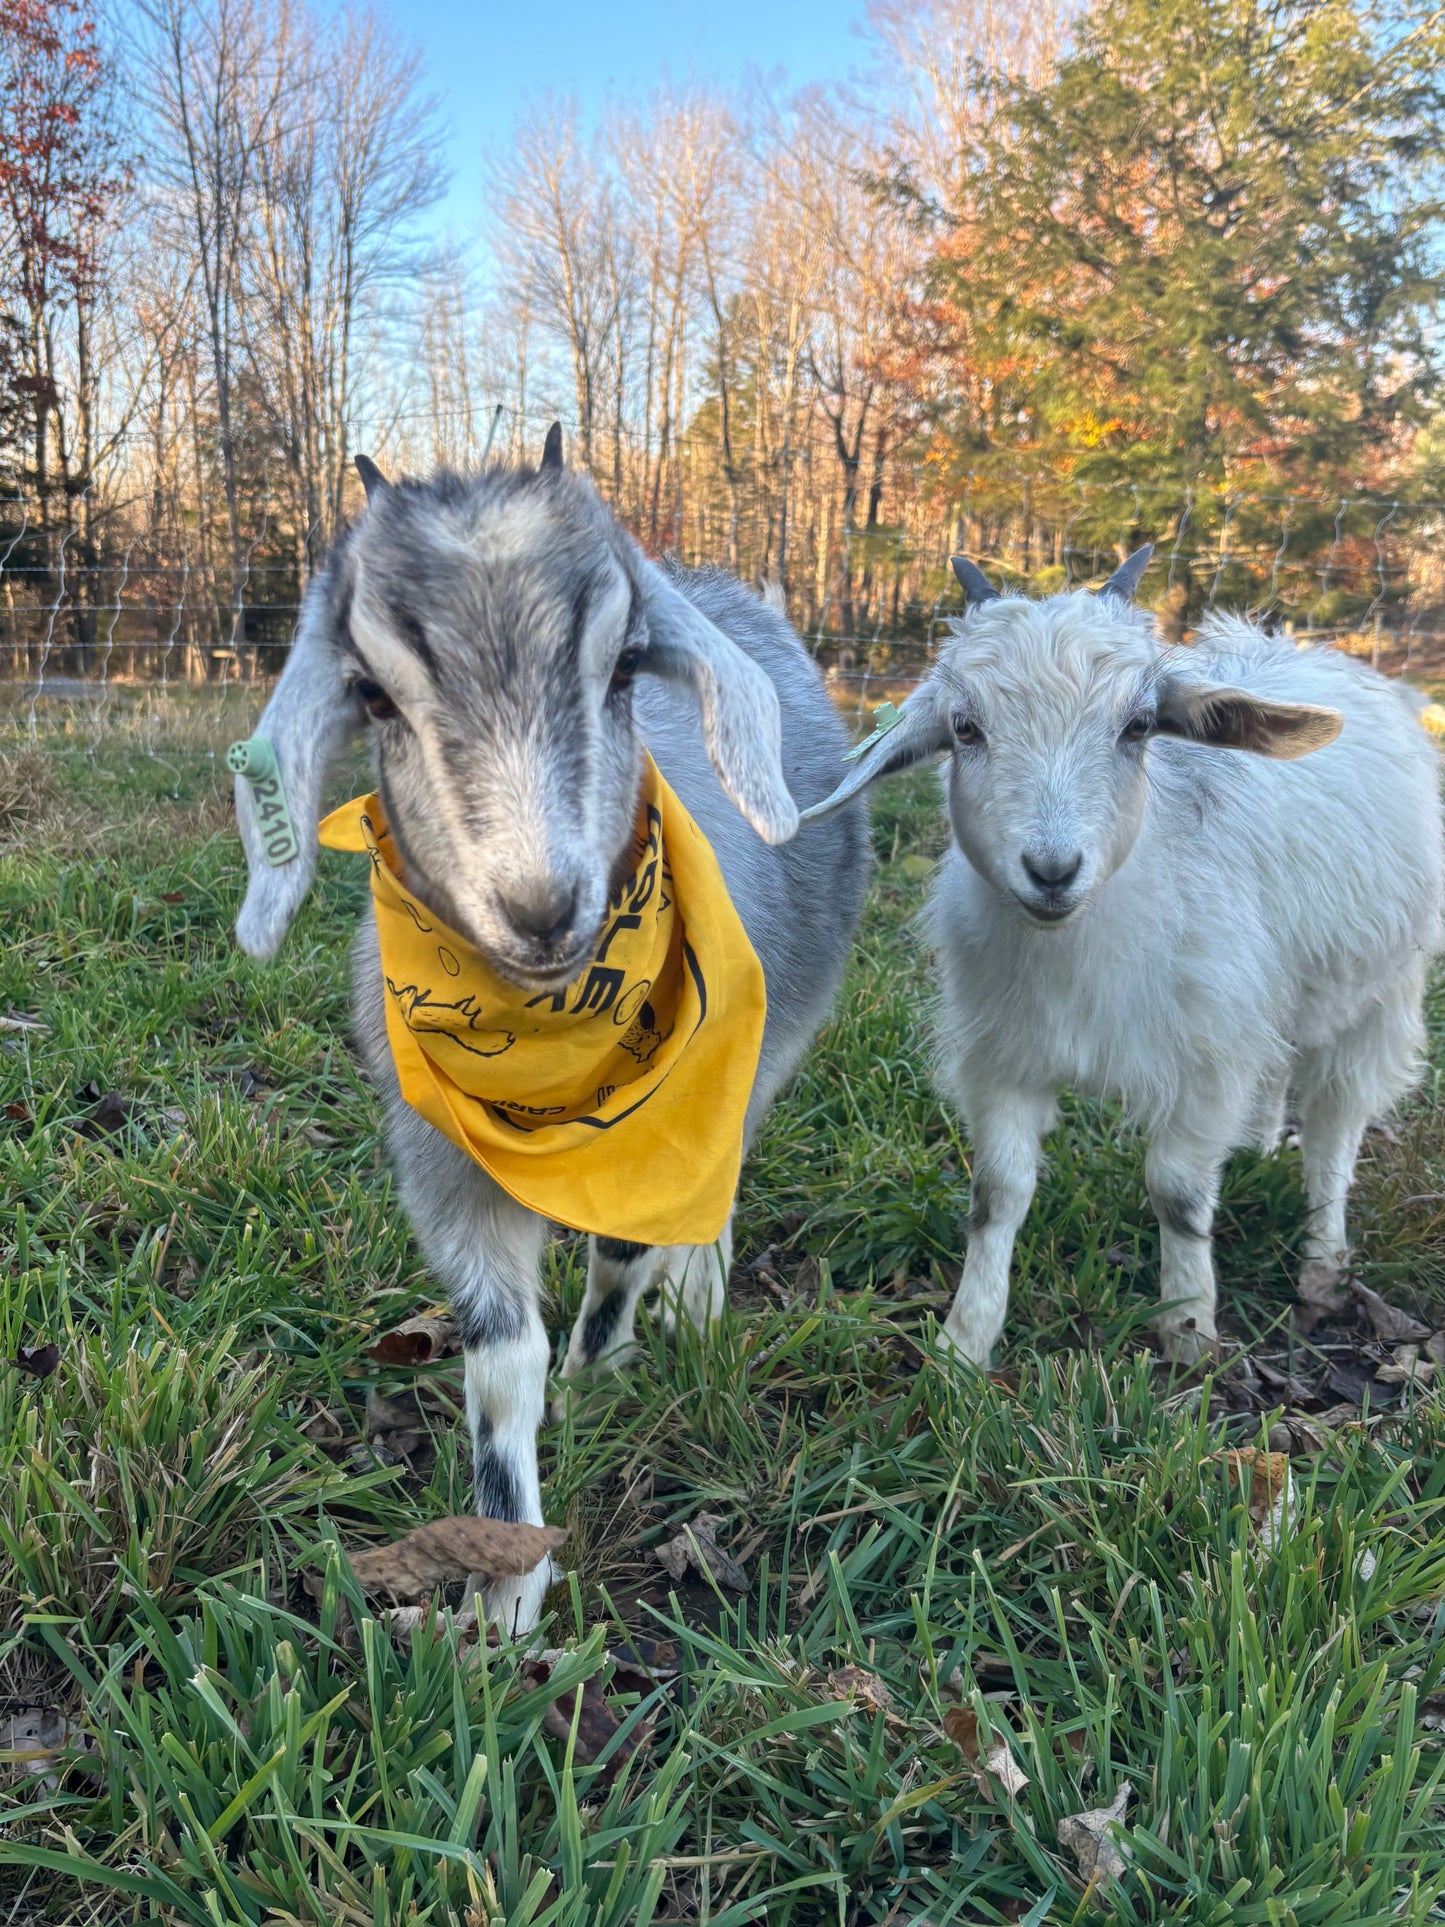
(483, 58)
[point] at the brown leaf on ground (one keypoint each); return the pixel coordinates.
(1390, 1325)
(18, 1113)
(394, 1428)
(419, 1340)
(596, 1723)
(108, 1114)
(994, 1767)
(447, 1550)
(1087, 1836)
(38, 1360)
(1319, 1294)
(1406, 1367)
(23, 1020)
(1435, 1348)
(856, 1683)
(1269, 1488)
(696, 1547)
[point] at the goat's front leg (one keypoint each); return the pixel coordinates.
(487, 1251)
(1182, 1172)
(618, 1272)
(1005, 1127)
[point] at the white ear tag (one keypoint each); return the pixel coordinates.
(885, 717)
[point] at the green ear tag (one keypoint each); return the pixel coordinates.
(885, 717)
(255, 759)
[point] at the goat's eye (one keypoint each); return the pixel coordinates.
(1136, 729)
(375, 697)
(966, 732)
(626, 667)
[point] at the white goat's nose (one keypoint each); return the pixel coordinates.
(1052, 869)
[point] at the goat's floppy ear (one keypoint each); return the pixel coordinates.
(309, 720)
(920, 732)
(741, 725)
(1234, 719)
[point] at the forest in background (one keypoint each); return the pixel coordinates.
(1035, 282)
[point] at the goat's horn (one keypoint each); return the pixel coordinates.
(552, 447)
(372, 479)
(1125, 580)
(974, 583)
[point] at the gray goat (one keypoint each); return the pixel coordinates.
(492, 626)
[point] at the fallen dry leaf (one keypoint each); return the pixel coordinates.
(696, 1546)
(1269, 1488)
(23, 1020)
(419, 1340)
(108, 1114)
(1390, 1325)
(410, 1619)
(33, 1738)
(1087, 1837)
(448, 1550)
(996, 1767)
(18, 1113)
(858, 1684)
(1318, 1294)
(596, 1723)
(39, 1360)
(1406, 1367)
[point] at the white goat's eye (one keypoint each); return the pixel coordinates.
(966, 732)
(1136, 729)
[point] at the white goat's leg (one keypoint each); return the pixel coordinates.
(618, 1272)
(487, 1250)
(694, 1281)
(1006, 1128)
(1182, 1172)
(1331, 1126)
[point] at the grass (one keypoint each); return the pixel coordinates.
(1060, 1549)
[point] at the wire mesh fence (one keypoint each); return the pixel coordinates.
(124, 593)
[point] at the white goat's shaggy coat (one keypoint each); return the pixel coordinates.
(1241, 927)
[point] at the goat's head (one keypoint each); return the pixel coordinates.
(1046, 710)
(491, 629)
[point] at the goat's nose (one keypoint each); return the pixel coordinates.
(1052, 869)
(544, 912)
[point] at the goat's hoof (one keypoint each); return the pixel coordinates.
(1187, 1344)
(514, 1606)
(961, 1350)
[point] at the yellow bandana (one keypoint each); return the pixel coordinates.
(617, 1105)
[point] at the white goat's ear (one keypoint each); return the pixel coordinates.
(741, 725)
(920, 732)
(1234, 719)
(309, 720)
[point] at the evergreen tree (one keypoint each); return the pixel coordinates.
(1200, 259)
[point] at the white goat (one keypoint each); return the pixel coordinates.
(1135, 909)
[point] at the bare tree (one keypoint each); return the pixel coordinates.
(214, 80)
